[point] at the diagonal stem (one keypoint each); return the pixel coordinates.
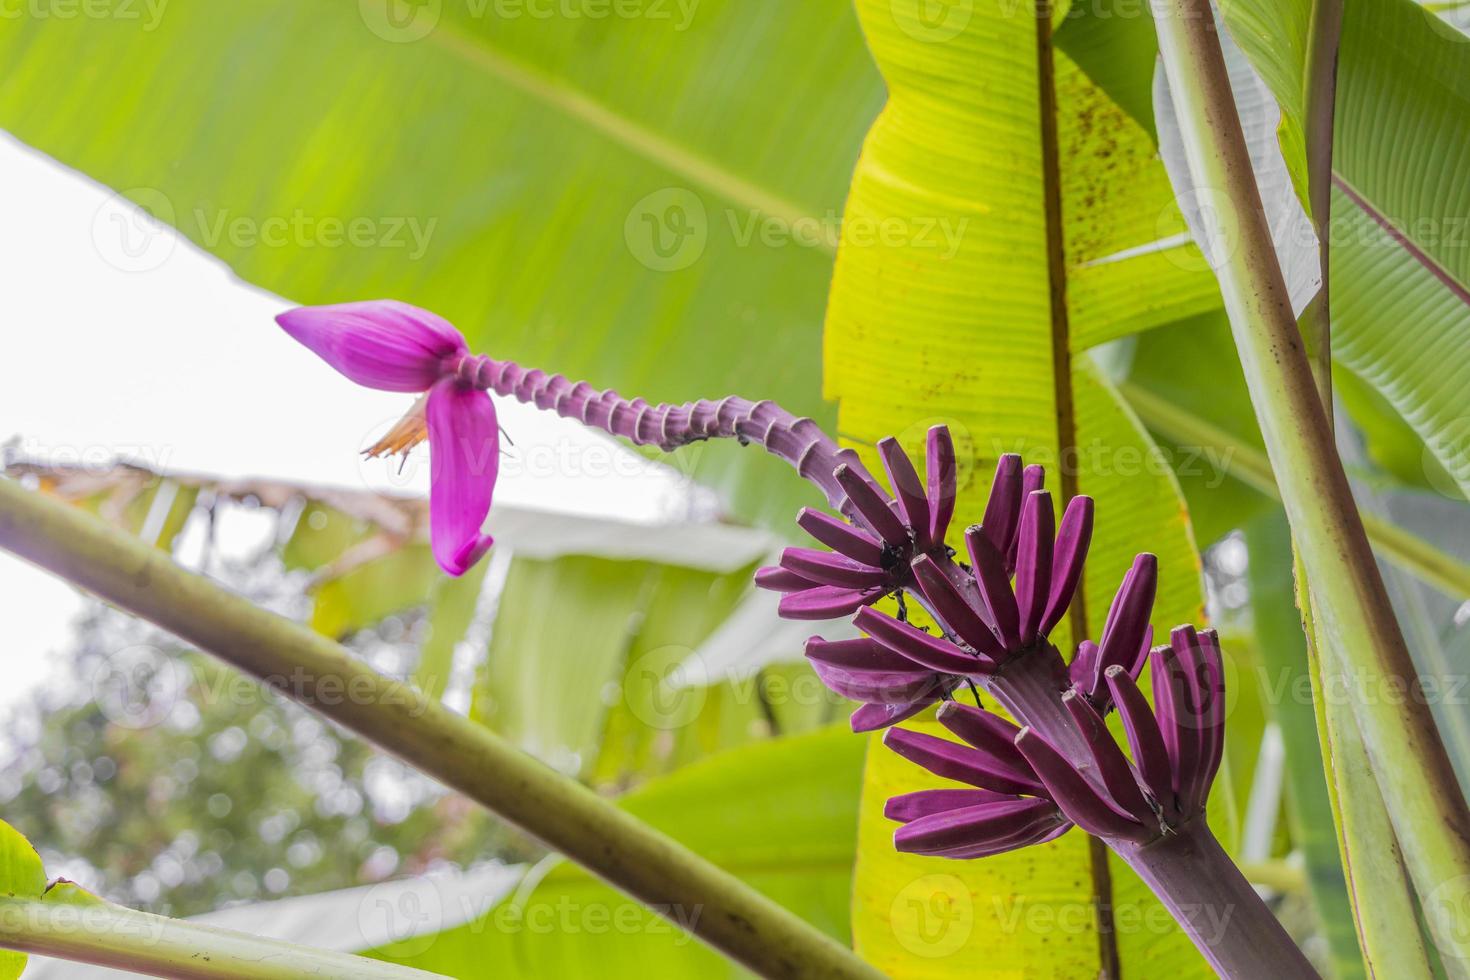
(628, 854)
(1360, 634)
(109, 935)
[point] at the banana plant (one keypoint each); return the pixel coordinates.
(1007, 217)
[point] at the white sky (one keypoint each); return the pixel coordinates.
(159, 354)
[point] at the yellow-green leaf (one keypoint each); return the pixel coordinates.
(973, 338)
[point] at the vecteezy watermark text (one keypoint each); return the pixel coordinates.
(147, 13)
(131, 230)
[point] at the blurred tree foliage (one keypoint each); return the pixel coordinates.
(168, 782)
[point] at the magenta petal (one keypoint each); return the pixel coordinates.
(380, 344)
(776, 579)
(918, 646)
(925, 802)
(1003, 509)
(976, 826)
(824, 602)
(908, 490)
(464, 453)
(871, 717)
(962, 763)
(1033, 561)
(830, 568)
(941, 470)
(1073, 537)
(840, 536)
(995, 586)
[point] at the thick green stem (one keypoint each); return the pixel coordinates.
(731, 916)
(1388, 930)
(1354, 617)
(110, 935)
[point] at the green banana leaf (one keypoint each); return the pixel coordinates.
(1400, 270)
(780, 814)
(973, 339)
(21, 876)
(645, 200)
(596, 693)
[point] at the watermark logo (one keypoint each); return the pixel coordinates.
(932, 21)
(137, 687)
(400, 21)
(933, 916)
(1447, 912)
(656, 692)
(131, 229)
(667, 230)
(404, 916)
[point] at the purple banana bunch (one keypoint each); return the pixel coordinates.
(1027, 787)
(1020, 785)
(1023, 572)
(870, 557)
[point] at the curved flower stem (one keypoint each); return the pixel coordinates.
(1359, 632)
(1217, 907)
(799, 441)
(322, 675)
(110, 935)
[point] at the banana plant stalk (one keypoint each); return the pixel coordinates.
(325, 677)
(1356, 622)
(109, 935)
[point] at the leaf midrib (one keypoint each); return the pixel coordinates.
(620, 129)
(1460, 290)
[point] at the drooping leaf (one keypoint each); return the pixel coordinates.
(21, 876)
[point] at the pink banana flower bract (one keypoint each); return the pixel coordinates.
(392, 346)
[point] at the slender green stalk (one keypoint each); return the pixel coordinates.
(110, 935)
(1323, 40)
(630, 855)
(1372, 862)
(1248, 465)
(1354, 618)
